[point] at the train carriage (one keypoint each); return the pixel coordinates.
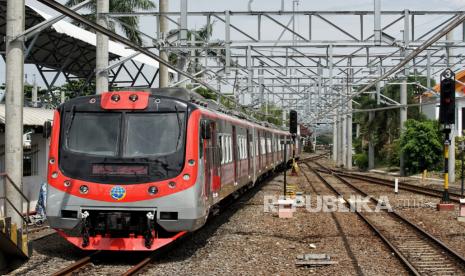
(134, 170)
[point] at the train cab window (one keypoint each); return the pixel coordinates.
(87, 126)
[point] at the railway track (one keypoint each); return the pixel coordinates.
(419, 251)
(77, 265)
(146, 260)
(454, 197)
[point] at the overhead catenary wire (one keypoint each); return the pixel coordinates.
(74, 15)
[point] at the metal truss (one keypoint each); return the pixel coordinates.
(299, 66)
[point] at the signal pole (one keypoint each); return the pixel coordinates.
(447, 120)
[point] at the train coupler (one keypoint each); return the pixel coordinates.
(85, 228)
(149, 234)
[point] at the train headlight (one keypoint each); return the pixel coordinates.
(67, 183)
(51, 161)
(186, 176)
(153, 190)
(84, 189)
(54, 174)
(133, 97)
(172, 184)
(191, 162)
(115, 97)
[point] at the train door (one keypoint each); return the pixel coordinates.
(211, 173)
(235, 157)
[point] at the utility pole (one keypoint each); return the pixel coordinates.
(101, 77)
(163, 23)
(14, 100)
(403, 86)
(403, 117)
(183, 60)
(349, 117)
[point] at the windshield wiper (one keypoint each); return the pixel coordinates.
(73, 112)
(179, 126)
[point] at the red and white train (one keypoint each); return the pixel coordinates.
(136, 170)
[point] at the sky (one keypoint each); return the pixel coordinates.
(269, 31)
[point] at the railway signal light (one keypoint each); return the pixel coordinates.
(447, 100)
(293, 121)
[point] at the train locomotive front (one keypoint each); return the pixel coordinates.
(123, 171)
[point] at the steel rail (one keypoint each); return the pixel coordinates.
(403, 219)
(386, 241)
(402, 185)
(76, 265)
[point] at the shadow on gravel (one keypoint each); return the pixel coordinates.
(186, 247)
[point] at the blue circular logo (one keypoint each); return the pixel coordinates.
(118, 192)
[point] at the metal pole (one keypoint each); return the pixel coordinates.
(461, 171)
(285, 165)
(403, 118)
(101, 62)
(34, 93)
(163, 70)
(450, 60)
(182, 56)
(349, 121)
(371, 146)
(445, 195)
(377, 24)
(14, 100)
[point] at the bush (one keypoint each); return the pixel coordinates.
(361, 161)
(421, 145)
(390, 154)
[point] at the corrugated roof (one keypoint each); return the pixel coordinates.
(64, 46)
(31, 116)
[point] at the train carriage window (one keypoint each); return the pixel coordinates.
(256, 147)
(262, 145)
(221, 142)
(245, 148)
(229, 145)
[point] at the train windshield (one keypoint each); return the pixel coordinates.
(153, 134)
(92, 133)
(143, 134)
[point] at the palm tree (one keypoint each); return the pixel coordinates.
(129, 25)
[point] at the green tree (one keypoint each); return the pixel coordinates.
(421, 145)
(129, 25)
(384, 129)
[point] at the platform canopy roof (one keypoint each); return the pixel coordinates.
(32, 116)
(64, 46)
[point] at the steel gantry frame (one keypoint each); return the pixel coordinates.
(282, 57)
(300, 67)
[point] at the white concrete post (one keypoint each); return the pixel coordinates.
(14, 100)
(101, 77)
